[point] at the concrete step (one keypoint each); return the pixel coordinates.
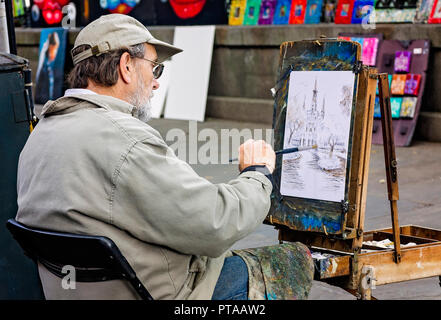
(240, 109)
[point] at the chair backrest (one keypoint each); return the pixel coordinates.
(95, 258)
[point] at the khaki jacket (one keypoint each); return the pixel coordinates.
(91, 167)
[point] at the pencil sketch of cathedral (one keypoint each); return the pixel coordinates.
(314, 117)
(318, 113)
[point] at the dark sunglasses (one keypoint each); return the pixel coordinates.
(157, 69)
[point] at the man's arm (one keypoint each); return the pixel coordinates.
(160, 199)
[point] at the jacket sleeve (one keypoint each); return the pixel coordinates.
(159, 199)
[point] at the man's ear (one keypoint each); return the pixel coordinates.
(126, 68)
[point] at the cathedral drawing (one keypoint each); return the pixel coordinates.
(314, 118)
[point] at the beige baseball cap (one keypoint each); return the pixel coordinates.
(115, 31)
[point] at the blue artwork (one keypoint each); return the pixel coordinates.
(281, 15)
(313, 11)
(50, 70)
(362, 9)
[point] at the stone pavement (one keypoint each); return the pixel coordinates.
(419, 177)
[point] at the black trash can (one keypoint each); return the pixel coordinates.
(19, 278)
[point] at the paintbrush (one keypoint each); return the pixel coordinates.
(288, 150)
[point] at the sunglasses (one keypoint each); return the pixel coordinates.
(157, 69)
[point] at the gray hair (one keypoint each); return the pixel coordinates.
(102, 69)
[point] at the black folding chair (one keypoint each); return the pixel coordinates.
(95, 258)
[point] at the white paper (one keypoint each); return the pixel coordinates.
(159, 95)
(188, 87)
(318, 113)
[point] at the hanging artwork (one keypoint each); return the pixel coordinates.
(50, 71)
(318, 113)
(119, 6)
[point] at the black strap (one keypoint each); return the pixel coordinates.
(262, 169)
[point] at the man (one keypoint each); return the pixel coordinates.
(93, 166)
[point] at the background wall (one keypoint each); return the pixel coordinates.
(245, 61)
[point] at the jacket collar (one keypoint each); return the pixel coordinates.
(100, 101)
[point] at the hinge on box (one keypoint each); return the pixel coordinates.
(358, 66)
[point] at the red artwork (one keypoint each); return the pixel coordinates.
(435, 15)
(343, 13)
(51, 10)
(186, 9)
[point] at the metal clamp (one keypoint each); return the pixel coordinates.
(358, 66)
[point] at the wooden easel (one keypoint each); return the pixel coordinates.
(353, 269)
(390, 159)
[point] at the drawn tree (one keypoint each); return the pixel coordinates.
(346, 101)
(332, 141)
(293, 127)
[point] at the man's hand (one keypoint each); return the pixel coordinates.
(253, 153)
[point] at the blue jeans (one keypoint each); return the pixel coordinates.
(233, 280)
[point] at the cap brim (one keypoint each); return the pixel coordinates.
(163, 49)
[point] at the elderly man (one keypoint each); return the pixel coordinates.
(93, 166)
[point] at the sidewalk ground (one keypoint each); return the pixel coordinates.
(419, 177)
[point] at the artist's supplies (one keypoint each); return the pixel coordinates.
(252, 12)
(288, 150)
(298, 10)
(343, 14)
(266, 13)
(412, 84)
(398, 84)
(313, 11)
(395, 106)
(402, 61)
(408, 107)
(281, 15)
(237, 11)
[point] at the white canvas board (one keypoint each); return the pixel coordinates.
(188, 87)
(158, 100)
(318, 113)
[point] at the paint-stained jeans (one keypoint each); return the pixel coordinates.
(233, 280)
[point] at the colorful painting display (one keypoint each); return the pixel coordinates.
(267, 10)
(313, 11)
(362, 10)
(50, 71)
(435, 15)
(318, 113)
(343, 15)
(298, 10)
(281, 15)
(402, 61)
(252, 11)
(237, 12)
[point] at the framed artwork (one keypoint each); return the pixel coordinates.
(281, 15)
(435, 15)
(320, 101)
(424, 7)
(237, 11)
(298, 10)
(267, 9)
(50, 71)
(252, 12)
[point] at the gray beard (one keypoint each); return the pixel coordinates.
(144, 112)
(142, 105)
